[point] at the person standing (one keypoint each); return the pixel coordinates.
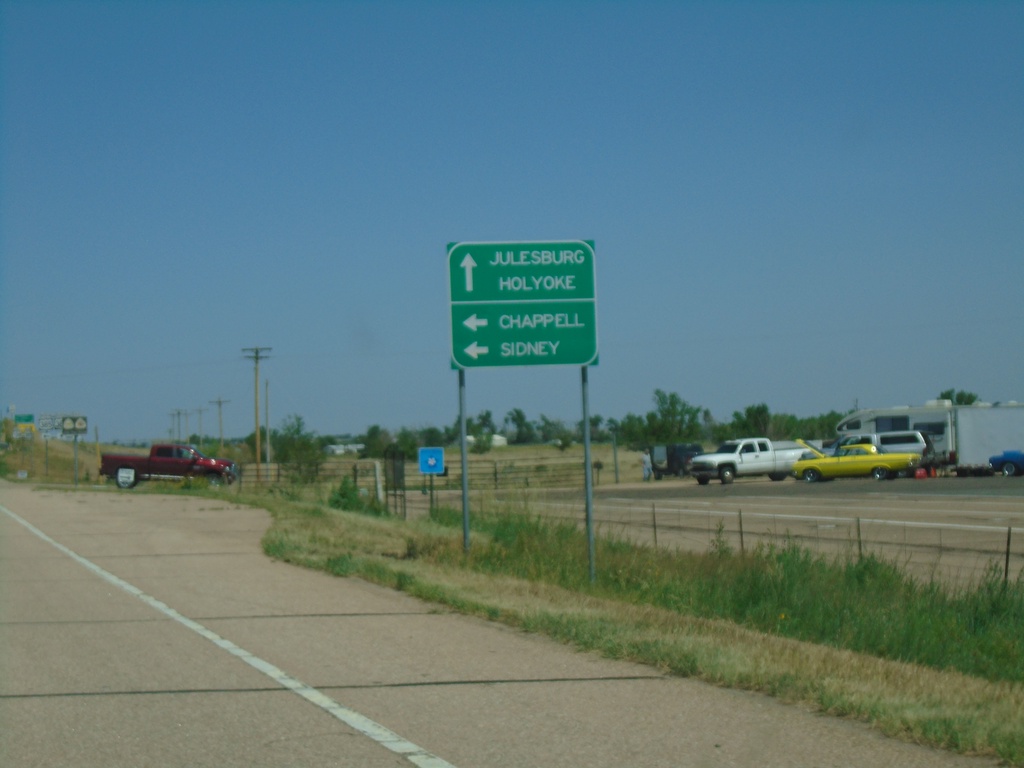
(645, 462)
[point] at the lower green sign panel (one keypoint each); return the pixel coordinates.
(524, 333)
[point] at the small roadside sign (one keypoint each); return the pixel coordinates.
(432, 461)
(74, 425)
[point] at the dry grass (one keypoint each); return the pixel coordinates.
(53, 460)
(911, 702)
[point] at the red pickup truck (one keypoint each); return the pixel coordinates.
(169, 461)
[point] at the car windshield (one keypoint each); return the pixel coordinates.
(728, 448)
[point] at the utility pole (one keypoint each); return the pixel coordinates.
(266, 412)
(256, 354)
(177, 434)
(219, 402)
(200, 412)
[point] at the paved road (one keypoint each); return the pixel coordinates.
(140, 630)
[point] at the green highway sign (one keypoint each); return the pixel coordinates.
(523, 303)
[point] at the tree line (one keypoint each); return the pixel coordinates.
(671, 420)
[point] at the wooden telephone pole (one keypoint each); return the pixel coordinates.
(256, 354)
(219, 402)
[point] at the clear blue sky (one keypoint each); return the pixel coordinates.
(810, 205)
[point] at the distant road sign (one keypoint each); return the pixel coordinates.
(524, 303)
(68, 423)
(74, 425)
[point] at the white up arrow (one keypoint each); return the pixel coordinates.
(473, 322)
(467, 264)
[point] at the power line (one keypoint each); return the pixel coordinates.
(256, 354)
(200, 410)
(219, 402)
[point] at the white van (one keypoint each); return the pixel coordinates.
(892, 442)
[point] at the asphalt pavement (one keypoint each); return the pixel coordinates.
(145, 630)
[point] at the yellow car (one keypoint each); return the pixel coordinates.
(853, 461)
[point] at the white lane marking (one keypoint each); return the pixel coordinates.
(364, 725)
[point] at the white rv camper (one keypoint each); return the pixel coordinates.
(964, 436)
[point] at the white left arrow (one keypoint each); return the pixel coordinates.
(474, 350)
(468, 265)
(473, 322)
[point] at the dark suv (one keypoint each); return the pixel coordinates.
(674, 459)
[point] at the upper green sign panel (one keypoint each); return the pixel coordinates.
(522, 303)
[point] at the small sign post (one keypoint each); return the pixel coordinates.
(431, 464)
(74, 425)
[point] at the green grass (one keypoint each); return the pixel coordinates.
(854, 638)
(867, 605)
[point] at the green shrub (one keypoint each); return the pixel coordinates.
(349, 498)
(346, 496)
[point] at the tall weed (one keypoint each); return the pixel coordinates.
(867, 605)
(349, 498)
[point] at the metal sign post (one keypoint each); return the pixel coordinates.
(464, 458)
(588, 471)
(431, 464)
(75, 425)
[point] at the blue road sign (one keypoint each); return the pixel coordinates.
(432, 461)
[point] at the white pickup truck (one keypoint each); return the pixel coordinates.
(746, 458)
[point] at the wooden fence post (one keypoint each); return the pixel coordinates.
(1006, 570)
(742, 551)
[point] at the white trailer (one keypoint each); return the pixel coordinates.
(964, 436)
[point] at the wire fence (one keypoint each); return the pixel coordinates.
(497, 475)
(365, 473)
(950, 552)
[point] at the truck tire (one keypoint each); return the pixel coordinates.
(214, 480)
(777, 476)
(125, 478)
(1009, 469)
(703, 480)
(726, 475)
